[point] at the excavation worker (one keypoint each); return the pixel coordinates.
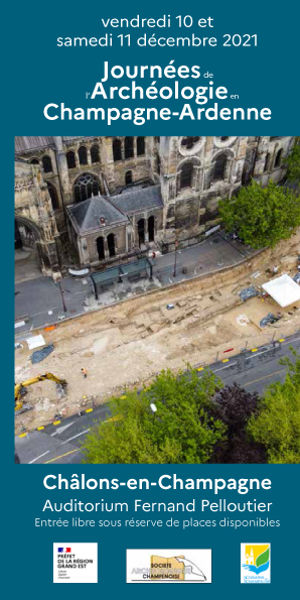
(84, 372)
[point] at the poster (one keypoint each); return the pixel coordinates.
(156, 274)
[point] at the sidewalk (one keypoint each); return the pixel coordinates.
(39, 301)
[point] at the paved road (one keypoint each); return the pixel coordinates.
(59, 444)
(40, 303)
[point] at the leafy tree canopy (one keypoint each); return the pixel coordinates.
(277, 425)
(293, 163)
(182, 430)
(262, 216)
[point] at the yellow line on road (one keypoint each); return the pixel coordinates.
(61, 456)
(117, 417)
(111, 419)
(265, 377)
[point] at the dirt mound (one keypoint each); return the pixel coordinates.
(127, 344)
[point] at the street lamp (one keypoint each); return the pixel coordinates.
(61, 290)
(175, 258)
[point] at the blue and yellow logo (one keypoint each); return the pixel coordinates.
(257, 557)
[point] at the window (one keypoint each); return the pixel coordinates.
(128, 177)
(85, 187)
(158, 164)
(267, 162)
(71, 159)
(53, 195)
(47, 164)
(111, 244)
(219, 168)
(141, 231)
(151, 223)
(128, 147)
(278, 159)
(117, 150)
(95, 153)
(189, 142)
(82, 153)
(186, 175)
(224, 138)
(100, 247)
(140, 146)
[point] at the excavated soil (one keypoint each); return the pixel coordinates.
(127, 344)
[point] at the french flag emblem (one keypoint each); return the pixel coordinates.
(68, 549)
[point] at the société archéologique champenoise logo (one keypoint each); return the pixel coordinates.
(255, 563)
(168, 566)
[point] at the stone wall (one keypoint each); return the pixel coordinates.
(34, 214)
(193, 176)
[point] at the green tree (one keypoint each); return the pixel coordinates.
(262, 216)
(182, 430)
(277, 425)
(293, 163)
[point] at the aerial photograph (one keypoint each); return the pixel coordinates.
(157, 299)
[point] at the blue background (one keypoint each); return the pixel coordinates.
(35, 72)
(38, 72)
(31, 567)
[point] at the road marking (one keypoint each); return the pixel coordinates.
(289, 341)
(23, 435)
(76, 436)
(265, 377)
(61, 429)
(227, 367)
(254, 350)
(89, 410)
(61, 456)
(40, 428)
(37, 458)
(56, 422)
(225, 360)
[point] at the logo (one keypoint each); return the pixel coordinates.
(75, 564)
(255, 563)
(168, 566)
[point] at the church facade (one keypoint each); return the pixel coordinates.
(94, 201)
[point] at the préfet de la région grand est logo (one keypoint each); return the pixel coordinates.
(256, 563)
(168, 566)
(75, 562)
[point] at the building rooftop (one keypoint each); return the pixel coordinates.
(95, 213)
(28, 143)
(135, 200)
(99, 211)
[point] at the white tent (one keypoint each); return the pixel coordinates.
(284, 290)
